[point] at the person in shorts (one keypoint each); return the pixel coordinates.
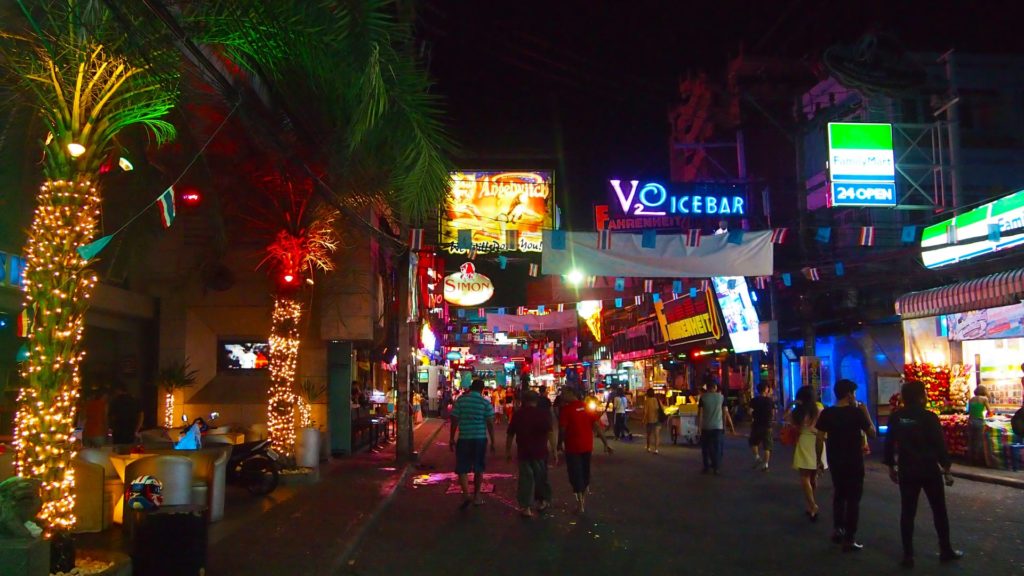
(473, 418)
(762, 410)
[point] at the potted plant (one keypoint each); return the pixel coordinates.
(173, 377)
(307, 449)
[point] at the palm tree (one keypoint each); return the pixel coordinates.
(173, 377)
(66, 66)
(302, 243)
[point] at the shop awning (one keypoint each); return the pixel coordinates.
(1000, 289)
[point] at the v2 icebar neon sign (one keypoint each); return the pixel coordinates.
(653, 199)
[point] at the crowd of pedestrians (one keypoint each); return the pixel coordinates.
(833, 438)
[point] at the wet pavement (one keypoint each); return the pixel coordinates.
(653, 515)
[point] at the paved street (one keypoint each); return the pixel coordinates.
(657, 515)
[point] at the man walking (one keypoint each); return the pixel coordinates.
(619, 414)
(534, 434)
(576, 427)
(712, 417)
(473, 417)
(842, 427)
(762, 416)
(916, 435)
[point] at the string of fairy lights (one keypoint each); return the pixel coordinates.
(284, 354)
(57, 284)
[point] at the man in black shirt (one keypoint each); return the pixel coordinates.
(762, 415)
(915, 433)
(843, 427)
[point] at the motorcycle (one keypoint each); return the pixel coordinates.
(252, 465)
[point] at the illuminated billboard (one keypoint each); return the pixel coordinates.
(490, 204)
(738, 312)
(861, 166)
(638, 205)
(974, 233)
(688, 319)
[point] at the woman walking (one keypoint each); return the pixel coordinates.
(653, 409)
(809, 458)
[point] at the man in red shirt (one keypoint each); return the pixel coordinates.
(534, 433)
(576, 427)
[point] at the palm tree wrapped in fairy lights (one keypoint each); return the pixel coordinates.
(303, 240)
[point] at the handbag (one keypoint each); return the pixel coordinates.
(789, 434)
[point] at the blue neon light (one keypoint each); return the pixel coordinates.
(654, 199)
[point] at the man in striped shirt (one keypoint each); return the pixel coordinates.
(473, 417)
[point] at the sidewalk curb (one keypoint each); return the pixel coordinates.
(342, 560)
(989, 479)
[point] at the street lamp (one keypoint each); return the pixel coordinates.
(575, 277)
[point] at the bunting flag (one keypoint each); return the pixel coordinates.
(704, 285)
(501, 311)
(591, 281)
(90, 250)
(693, 237)
(867, 235)
(787, 279)
(649, 239)
(618, 302)
(648, 285)
(416, 239)
(534, 269)
(521, 311)
(24, 323)
(540, 309)
(471, 254)
(464, 239)
(511, 239)
(811, 273)
(502, 262)
(638, 300)
(779, 235)
(735, 237)
(558, 239)
(994, 232)
(677, 286)
(604, 240)
(823, 235)
(561, 307)
(761, 282)
(693, 292)
(620, 284)
(656, 297)
(166, 203)
(461, 313)
(839, 269)
(909, 234)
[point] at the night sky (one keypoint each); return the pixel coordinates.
(583, 86)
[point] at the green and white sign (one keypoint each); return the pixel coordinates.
(862, 169)
(983, 230)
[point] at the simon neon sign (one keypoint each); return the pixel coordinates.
(653, 199)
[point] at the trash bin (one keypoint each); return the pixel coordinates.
(169, 541)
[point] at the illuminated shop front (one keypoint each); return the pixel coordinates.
(963, 335)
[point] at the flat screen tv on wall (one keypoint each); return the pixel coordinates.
(242, 355)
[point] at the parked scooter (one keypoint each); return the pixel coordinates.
(252, 465)
(255, 466)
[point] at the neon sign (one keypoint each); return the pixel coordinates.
(653, 199)
(861, 164)
(466, 287)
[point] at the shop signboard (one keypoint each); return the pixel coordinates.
(638, 205)
(739, 313)
(862, 169)
(466, 287)
(689, 319)
(973, 233)
(810, 372)
(988, 324)
(489, 204)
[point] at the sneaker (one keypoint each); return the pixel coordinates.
(852, 546)
(950, 555)
(764, 467)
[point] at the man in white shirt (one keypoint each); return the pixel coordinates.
(619, 404)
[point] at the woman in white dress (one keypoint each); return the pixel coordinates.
(809, 457)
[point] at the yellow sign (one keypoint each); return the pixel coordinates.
(490, 204)
(688, 319)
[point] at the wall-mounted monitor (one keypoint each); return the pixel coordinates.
(243, 355)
